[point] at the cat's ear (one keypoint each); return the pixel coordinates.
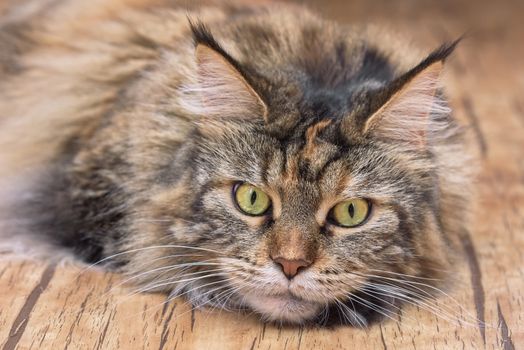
(413, 110)
(223, 90)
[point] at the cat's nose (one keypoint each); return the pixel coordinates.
(291, 267)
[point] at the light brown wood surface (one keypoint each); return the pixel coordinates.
(58, 307)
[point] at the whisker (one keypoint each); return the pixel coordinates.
(406, 275)
(171, 298)
(372, 306)
(417, 285)
(165, 280)
(152, 286)
(155, 286)
(148, 248)
(431, 307)
(353, 316)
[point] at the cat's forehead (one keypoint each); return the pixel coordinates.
(309, 161)
(312, 161)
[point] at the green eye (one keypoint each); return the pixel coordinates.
(350, 213)
(251, 200)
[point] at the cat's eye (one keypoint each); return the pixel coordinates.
(250, 199)
(350, 213)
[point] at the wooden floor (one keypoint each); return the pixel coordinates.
(54, 307)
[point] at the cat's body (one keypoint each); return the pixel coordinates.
(124, 131)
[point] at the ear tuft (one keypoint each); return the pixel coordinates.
(412, 109)
(221, 89)
(410, 114)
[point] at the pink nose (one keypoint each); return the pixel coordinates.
(291, 267)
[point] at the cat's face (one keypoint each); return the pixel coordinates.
(293, 217)
(301, 224)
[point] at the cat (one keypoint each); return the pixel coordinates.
(249, 157)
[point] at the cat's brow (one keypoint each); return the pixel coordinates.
(313, 158)
(311, 138)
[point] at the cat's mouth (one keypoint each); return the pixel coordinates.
(285, 307)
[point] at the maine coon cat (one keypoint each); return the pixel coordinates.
(250, 157)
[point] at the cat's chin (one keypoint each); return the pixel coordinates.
(283, 308)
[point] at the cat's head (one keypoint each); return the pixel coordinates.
(296, 198)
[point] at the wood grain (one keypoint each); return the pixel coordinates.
(65, 307)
